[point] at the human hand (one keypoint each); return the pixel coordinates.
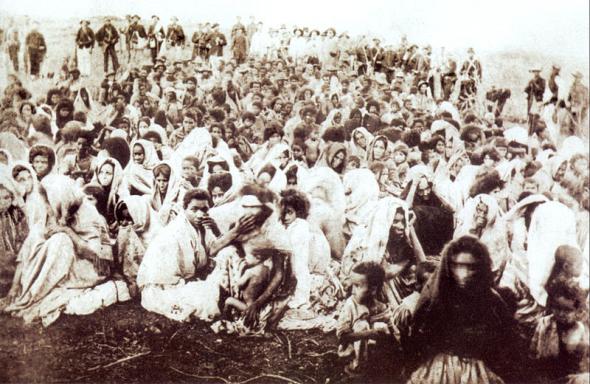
(251, 315)
(246, 224)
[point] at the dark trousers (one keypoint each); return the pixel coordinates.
(35, 58)
(110, 51)
(13, 54)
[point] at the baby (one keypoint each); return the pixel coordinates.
(251, 284)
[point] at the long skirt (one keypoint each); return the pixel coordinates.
(450, 369)
(84, 64)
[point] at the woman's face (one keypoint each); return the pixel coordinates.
(105, 175)
(378, 150)
(5, 199)
(25, 179)
(263, 179)
(217, 194)
(360, 140)
(289, 215)
(440, 147)
(162, 184)
(274, 139)
(488, 161)
(283, 159)
(27, 111)
(338, 159)
(142, 126)
(399, 157)
(64, 112)
(217, 168)
(188, 169)
(41, 165)
(399, 224)
(463, 269)
(138, 154)
(216, 132)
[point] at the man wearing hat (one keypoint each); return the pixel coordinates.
(84, 44)
(135, 35)
(175, 39)
(239, 46)
(155, 35)
(470, 76)
(534, 90)
(216, 41)
(578, 99)
(35, 49)
(108, 37)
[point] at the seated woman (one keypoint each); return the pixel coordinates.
(108, 174)
(362, 192)
(26, 180)
(462, 329)
(138, 226)
(269, 176)
(177, 254)
(219, 186)
(165, 193)
(63, 262)
(389, 239)
(334, 157)
(42, 159)
(359, 144)
(139, 172)
(481, 218)
(378, 150)
(13, 230)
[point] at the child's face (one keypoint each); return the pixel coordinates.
(40, 165)
(5, 199)
(289, 215)
(564, 310)
(138, 154)
(399, 157)
(360, 288)
(188, 169)
(530, 186)
(25, 179)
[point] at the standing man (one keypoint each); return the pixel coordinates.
(84, 44)
(13, 45)
(470, 75)
(534, 90)
(155, 36)
(239, 46)
(35, 49)
(135, 34)
(108, 36)
(578, 98)
(175, 39)
(217, 41)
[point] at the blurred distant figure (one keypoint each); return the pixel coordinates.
(217, 41)
(13, 45)
(534, 90)
(156, 35)
(35, 49)
(470, 75)
(135, 35)
(108, 36)
(578, 99)
(175, 39)
(239, 46)
(84, 44)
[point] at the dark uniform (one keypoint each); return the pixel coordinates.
(36, 50)
(534, 90)
(108, 37)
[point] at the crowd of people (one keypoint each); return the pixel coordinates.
(299, 179)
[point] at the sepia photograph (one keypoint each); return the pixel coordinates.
(297, 192)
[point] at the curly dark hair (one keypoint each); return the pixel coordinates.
(373, 272)
(296, 200)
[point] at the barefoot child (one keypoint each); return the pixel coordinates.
(363, 319)
(251, 283)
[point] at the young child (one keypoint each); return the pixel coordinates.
(569, 265)
(561, 340)
(363, 320)
(13, 232)
(254, 277)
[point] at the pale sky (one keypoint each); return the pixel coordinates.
(557, 28)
